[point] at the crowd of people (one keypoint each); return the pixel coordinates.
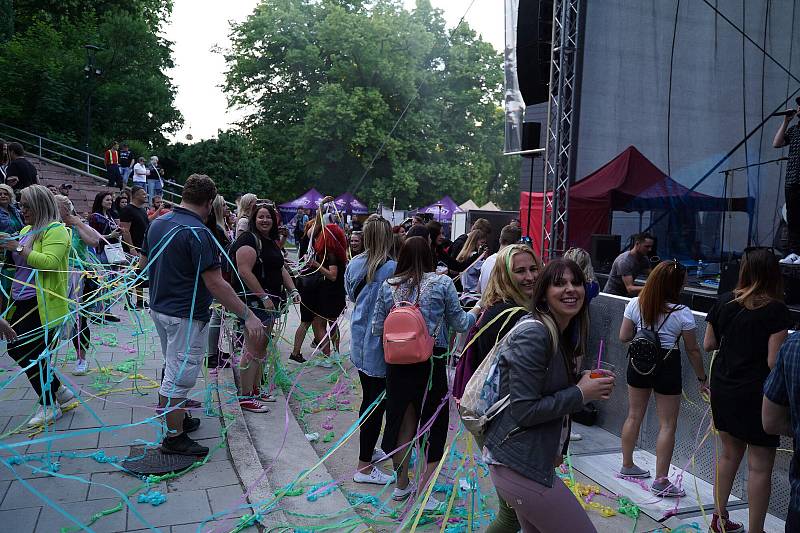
(409, 290)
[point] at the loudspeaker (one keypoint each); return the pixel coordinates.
(531, 135)
(604, 249)
(534, 33)
(498, 220)
(791, 284)
(728, 276)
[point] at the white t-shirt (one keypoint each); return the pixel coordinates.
(486, 272)
(139, 173)
(680, 320)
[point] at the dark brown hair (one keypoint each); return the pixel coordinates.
(575, 335)
(251, 222)
(663, 287)
(414, 261)
(199, 189)
(760, 279)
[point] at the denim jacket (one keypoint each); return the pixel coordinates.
(11, 220)
(366, 350)
(438, 303)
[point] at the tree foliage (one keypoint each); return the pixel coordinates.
(328, 79)
(45, 88)
(231, 160)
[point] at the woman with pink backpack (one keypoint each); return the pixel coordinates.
(413, 312)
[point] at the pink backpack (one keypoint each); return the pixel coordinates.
(405, 335)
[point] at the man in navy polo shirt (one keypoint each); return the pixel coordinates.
(182, 259)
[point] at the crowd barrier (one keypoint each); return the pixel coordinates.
(695, 416)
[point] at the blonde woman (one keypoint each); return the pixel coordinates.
(507, 298)
(246, 205)
(216, 223)
(39, 297)
(362, 281)
(475, 245)
(583, 260)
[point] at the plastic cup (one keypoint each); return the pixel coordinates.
(605, 369)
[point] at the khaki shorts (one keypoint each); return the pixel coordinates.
(184, 343)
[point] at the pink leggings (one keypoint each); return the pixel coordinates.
(541, 509)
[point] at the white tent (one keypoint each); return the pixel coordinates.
(489, 206)
(469, 205)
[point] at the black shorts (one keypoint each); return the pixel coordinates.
(665, 379)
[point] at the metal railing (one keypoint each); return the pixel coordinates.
(71, 158)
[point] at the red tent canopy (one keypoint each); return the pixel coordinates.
(629, 182)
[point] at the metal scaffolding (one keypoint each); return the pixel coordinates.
(561, 125)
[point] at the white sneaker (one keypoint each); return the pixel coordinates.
(81, 367)
(432, 504)
(399, 495)
(790, 259)
(45, 417)
(63, 395)
(376, 477)
(325, 363)
(379, 456)
(575, 437)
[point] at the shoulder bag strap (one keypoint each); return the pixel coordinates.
(363, 283)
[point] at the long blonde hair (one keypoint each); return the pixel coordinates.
(218, 208)
(42, 208)
(246, 204)
(502, 286)
(471, 245)
(378, 243)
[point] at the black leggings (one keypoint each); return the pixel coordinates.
(31, 345)
(371, 427)
(82, 337)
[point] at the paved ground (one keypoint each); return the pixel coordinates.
(49, 479)
(58, 480)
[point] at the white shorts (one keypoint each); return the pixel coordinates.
(184, 343)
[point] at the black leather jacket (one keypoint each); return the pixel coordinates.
(525, 436)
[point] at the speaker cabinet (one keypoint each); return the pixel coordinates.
(531, 135)
(604, 249)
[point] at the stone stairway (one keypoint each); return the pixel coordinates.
(84, 187)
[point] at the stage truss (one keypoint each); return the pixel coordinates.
(561, 125)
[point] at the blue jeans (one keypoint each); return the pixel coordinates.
(154, 189)
(126, 173)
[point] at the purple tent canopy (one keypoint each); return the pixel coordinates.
(448, 207)
(309, 200)
(347, 203)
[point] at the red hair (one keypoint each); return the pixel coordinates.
(331, 241)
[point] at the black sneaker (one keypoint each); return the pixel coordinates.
(190, 424)
(182, 445)
(108, 317)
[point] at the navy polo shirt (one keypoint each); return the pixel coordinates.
(179, 249)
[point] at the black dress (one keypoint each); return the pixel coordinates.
(330, 300)
(740, 368)
(267, 269)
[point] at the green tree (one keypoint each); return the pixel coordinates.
(328, 79)
(231, 160)
(46, 90)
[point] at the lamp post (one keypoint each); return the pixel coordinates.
(91, 71)
(439, 205)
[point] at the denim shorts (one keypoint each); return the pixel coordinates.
(184, 343)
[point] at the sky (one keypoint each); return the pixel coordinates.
(199, 26)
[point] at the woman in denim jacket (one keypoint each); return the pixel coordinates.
(363, 278)
(538, 363)
(409, 402)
